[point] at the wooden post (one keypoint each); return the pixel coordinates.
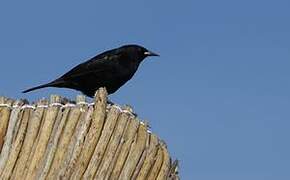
(64, 140)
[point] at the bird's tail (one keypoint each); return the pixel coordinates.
(51, 84)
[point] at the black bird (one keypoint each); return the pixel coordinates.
(110, 69)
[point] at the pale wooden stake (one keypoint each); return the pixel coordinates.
(123, 149)
(150, 158)
(15, 116)
(64, 141)
(135, 152)
(165, 168)
(102, 144)
(152, 175)
(93, 134)
(112, 146)
(52, 145)
(16, 146)
(4, 118)
(75, 147)
(46, 129)
(31, 134)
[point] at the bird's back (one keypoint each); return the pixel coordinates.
(110, 70)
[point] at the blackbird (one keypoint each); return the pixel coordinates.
(110, 69)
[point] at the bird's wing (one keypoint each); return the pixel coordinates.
(96, 65)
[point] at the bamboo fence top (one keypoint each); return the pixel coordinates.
(61, 139)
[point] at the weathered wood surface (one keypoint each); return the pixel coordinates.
(63, 140)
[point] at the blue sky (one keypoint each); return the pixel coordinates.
(219, 94)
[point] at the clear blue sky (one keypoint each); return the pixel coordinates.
(219, 95)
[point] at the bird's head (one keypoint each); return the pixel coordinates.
(137, 52)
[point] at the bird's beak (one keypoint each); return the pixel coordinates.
(150, 53)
